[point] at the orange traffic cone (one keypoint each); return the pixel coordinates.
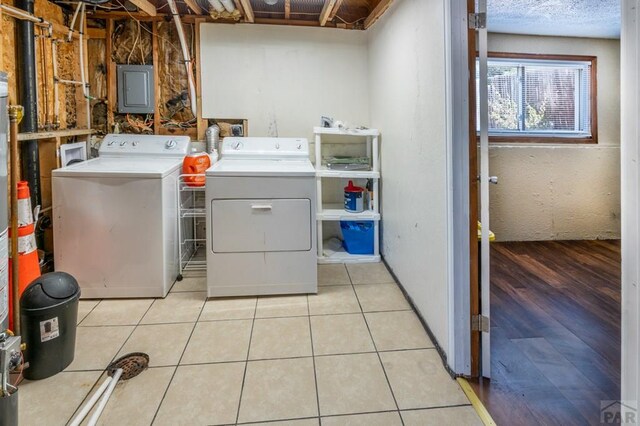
(28, 264)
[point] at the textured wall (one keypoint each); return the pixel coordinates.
(408, 105)
(549, 192)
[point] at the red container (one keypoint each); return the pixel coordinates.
(196, 164)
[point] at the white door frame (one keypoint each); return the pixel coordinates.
(630, 156)
(456, 51)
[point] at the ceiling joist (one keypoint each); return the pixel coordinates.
(287, 9)
(248, 11)
(145, 6)
(377, 13)
(327, 9)
(193, 5)
(333, 14)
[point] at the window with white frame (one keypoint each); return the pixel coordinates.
(535, 98)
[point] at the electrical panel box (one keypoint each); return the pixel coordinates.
(135, 89)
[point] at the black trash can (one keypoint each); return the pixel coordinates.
(48, 317)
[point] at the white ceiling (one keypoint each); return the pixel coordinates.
(577, 18)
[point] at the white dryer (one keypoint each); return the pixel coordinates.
(261, 210)
(115, 217)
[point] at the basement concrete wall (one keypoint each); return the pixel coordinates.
(284, 78)
(561, 192)
(408, 104)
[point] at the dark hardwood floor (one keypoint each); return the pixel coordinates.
(555, 332)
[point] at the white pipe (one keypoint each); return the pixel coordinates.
(229, 5)
(25, 16)
(216, 5)
(90, 403)
(73, 20)
(103, 402)
(186, 56)
(85, 90)
(70, 82)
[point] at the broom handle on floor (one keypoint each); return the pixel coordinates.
(89, 404)
(105, 398)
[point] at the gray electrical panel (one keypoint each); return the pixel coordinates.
(135, 89)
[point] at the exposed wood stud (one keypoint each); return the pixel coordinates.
(326, 11)
(333, 14)
(296, 22)
(377, 13)
(156, 79)
(54, 134)
(1, 47)
(201, 123)
(287, 9)
(145, 6)
(239, 7)
(193, 5)
(111, 75)
(96, 33)
(248, 11)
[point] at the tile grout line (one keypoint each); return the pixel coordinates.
(175, 370)
(245, 319)
(246, 363)
(360, 413)
(112, 358)
(270, 359)
(313, 358)
(395, 401)
(89, 313)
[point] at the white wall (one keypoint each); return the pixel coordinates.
(549, 192)
(408, 94)
(283, 78)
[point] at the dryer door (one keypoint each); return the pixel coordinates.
(271, 225)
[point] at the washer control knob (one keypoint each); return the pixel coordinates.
(134, 143)
(110, 143)
(299, 146)
(170, 144)
(237, 145)
(123, 143)
(277, 145)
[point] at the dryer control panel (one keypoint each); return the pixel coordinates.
(265, 148)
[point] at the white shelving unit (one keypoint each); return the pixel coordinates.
(336, 212)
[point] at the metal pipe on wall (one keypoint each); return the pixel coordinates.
(25, 36)
(13, 183)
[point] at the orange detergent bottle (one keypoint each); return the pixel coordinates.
(196, 164)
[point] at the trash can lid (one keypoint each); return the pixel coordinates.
(49, 290)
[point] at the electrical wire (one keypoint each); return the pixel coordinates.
(350, 23)
(145, 28)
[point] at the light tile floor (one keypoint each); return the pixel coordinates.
(354, 354)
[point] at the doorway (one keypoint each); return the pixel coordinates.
(554, 120)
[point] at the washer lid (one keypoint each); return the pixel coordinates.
(239, 167)
(140, 168)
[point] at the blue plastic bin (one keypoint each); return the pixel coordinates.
(357, 236)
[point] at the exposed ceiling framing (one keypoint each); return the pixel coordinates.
(350, 14)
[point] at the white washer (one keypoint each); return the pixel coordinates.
(261, 210)
(115, 217)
